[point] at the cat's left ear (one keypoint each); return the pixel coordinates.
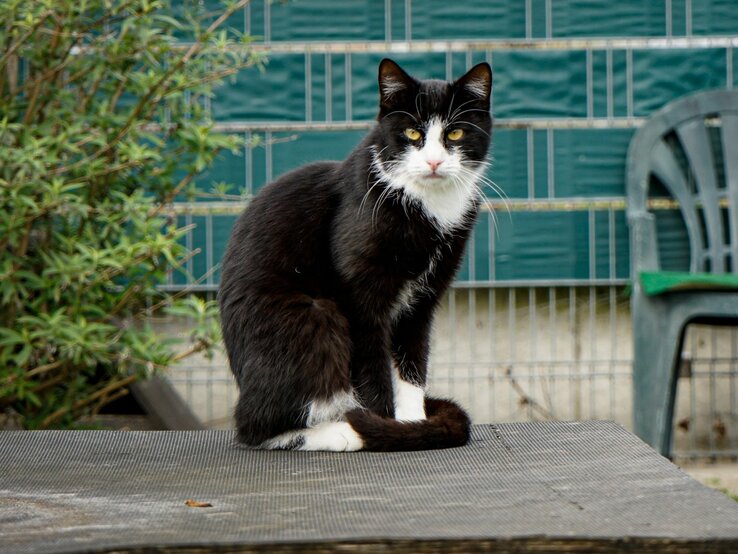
(477, 82)
(393, 83)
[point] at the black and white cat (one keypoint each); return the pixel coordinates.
(333, 272)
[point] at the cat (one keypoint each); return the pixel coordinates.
(333, 272)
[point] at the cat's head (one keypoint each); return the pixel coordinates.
(433, 138)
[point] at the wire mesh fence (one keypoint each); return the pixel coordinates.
(536, 353)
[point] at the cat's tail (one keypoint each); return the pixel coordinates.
(447, 425)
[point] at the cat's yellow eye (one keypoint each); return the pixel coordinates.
(456, 134)
(412, 134)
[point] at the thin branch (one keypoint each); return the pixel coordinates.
(107, 389)
(109, 170)
(199, 347)
(186, 180)
(13, 47)
(105, 400)
(40, 370)
(527, 399)
(183, 292)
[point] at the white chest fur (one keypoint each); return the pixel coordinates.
(413, 288)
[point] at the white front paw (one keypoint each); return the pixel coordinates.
(409, 402)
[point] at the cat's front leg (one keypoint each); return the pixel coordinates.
(410, 346)
(370, 373)
(409, 398)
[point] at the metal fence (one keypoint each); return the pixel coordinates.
(533, 353)
(538, 323)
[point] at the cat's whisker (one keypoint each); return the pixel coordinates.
(450, 105)
(366, 196)
(486, 181)
(474, 182)
(401, 112)
(417, 101)
(454, 114)
(378, 166)
(473, 125)
(457, 115)
(378, 204)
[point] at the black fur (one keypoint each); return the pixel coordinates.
(314, 267)
(447, 426)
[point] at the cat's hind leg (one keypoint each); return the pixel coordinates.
(291, 361)
(326, 427)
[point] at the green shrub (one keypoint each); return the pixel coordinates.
(102, 126)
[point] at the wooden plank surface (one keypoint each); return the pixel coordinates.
(568, 487)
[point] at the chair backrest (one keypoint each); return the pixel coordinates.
(691, 147)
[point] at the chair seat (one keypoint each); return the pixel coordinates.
(660, 282)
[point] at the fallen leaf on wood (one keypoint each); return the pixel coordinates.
(197, 504)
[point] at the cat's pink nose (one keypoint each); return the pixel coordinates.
(434, 164)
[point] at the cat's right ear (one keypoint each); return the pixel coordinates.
(393, 83)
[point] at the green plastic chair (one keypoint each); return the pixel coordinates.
(690, 147)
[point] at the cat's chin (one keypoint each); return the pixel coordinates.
(434, 183)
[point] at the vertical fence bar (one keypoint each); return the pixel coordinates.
(629, 83)
(308, 87)
(609, 83)
(408, 20)
(328, 88)
(692, 417)
(533, 348)
(210, 250)
(388, 20)
(733, 405)
(714, 415)
(249, 162)
(189, 243)
(576, 351)
(590, 83)
(729, 68)
(550, 161)
(531, 164)
(553, 354)
(349, 90)
(267, 21)
(268, 141)
(512, 325)
(492, 325)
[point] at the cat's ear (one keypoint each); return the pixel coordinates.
(393, 82)
(477, 82)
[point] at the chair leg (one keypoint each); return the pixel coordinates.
(658, 337)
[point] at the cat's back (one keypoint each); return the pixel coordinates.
(287, 221)
(291, 199)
